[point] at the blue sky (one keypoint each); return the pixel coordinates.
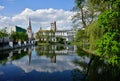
(12, 7)
(41, 12)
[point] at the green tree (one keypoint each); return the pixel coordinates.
(100, 5)
(109, 45)
(85, 16)
(45, 34)
(80, 35)
(3, 33)
(105, 30)
(16, 36)
(94, 33)
(82, 38)
(60, 40)
(86, 13)
(39, 35)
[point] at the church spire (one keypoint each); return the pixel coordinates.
(29, 30)
(29, 24)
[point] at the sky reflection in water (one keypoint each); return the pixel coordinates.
(33, 67)
(47, 64)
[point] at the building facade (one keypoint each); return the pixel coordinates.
(11, 29)
(68, 35)
(53, 34)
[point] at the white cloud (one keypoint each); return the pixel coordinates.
(5, 21)
(41, 17)
(2, 7)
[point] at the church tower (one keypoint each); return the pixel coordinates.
(29, 26)
(53, 26)
(29, 30)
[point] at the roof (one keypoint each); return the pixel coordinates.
(19, 29)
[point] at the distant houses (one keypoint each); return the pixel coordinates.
(52, 35)
(8, 31)
(16, 36)
(27, 31)
(55, 35)
(11, 29)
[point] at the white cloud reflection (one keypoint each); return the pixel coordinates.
(1, 7)
(43, 64)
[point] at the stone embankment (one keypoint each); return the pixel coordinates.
(14, 45)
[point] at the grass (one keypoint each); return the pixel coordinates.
(43, 44)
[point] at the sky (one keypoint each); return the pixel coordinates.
(41, 12)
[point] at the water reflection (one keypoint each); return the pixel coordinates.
(37, 63)
(29, 55)
(43, 61)
(54, 63)
(95, 69)
(52, 51)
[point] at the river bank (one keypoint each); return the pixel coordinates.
(14, 45)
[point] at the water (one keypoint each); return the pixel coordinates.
(54, 63)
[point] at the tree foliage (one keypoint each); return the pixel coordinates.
(104, 32)
(3, 33)
(45, 35)
(94, 33)
(16, 36)
(109, 45)
(85, 13)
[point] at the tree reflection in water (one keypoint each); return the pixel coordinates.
(88, 67)
(49, 51)
(95, 69)
(12, 55)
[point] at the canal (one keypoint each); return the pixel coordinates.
(54, 63)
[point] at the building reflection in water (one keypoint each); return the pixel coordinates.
(53, 59)
(49, 51)
(53, 51)
(29, 53)
(9, 56)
